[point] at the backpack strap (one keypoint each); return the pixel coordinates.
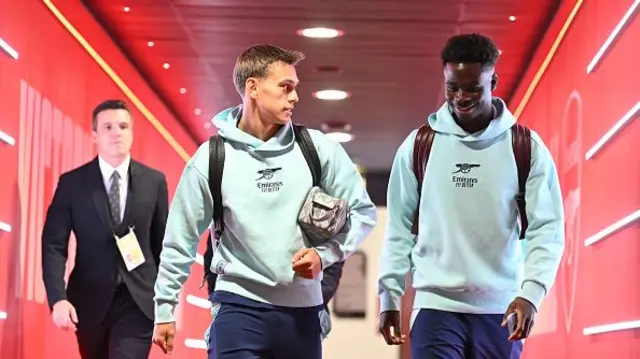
(304, 140)
(216, 167)
(421, 151)
(521, 140)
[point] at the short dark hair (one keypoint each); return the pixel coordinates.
(107, 105)
(255, 61)
(470, 48)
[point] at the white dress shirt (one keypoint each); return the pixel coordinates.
(123, 170)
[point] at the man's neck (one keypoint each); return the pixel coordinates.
(480, 124)
(474, 127)
(114, 161)
(251, 123)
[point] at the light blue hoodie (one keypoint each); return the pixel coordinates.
(467, 257)
(263, 188)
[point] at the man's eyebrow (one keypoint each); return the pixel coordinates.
(475, 83)
(290, 81)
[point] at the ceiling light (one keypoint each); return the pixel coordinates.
(320, 33)
(183, 90)
(512, 18)
(166, 65)
(3, 315)
(339, 136)
(197, 111)
(127, 9)
(150, 44)
(331, 95)
(337, 131)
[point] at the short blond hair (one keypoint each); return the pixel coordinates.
(255, 62)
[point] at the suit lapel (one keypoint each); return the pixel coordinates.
(98, 193)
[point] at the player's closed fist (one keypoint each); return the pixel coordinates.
(307, 263)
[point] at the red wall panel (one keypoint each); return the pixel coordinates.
(572, 110)
(46, 99)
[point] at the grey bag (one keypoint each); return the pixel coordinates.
(322, 216)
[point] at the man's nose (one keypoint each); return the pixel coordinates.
(461, 96)
(293, 96)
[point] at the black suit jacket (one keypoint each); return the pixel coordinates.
(80, 206)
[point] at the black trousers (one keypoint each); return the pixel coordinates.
(124, 334)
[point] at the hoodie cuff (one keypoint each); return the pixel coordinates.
(164, 313)
(389, 301)
(328, 255)
(533, 292)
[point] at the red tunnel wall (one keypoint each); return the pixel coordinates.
(46, 99)
(597, 284)
(55, 84)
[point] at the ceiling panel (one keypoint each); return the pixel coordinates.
(388, 58)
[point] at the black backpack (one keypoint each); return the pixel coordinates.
(216, 167)
(521, 144)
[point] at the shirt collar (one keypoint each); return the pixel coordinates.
(107, 170)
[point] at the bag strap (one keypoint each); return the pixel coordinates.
(304, 140)
(521, 141)
(421, 151)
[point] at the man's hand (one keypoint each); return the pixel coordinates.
(307, 263)
(64, 315)
(163, 335)
(525, 314)
(390, 327)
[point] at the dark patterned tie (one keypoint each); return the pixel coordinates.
(114, 198)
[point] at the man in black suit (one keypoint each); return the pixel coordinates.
(117, 209)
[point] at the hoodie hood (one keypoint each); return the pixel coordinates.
(443, 121)
(227, 123)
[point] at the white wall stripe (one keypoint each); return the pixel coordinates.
(626, 119)
(8, 49)
(4, 137)
(616, 31)
(198, 301)
(613, 327)
(195, 344)
(609, 230)
(3, 315)
(6, 227)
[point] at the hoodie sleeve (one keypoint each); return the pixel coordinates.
(545, 235)
(343, 180)
(402, 201)
(190, 214)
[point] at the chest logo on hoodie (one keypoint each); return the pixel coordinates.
(264, 180)
(464, 181)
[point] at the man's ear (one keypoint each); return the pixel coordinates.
(251, 88)
(494, 82)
